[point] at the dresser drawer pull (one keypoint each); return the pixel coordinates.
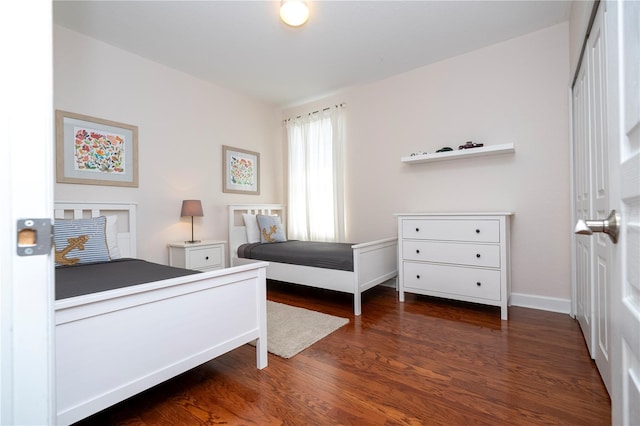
(417, 251)
(478, 283)
(418, 276)
(477, 231)
(417, 229)
(206, 257)
(478, 255)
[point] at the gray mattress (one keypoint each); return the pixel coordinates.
(78, 280)
(337, 256)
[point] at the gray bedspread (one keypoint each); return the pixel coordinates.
(90, 278)
(337, 256)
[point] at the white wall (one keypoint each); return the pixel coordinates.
(183, 123)
(515, 91)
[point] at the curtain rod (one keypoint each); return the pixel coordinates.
(340, 105)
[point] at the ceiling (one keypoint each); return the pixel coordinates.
(243, 46)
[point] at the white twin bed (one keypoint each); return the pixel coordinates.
(114, 344)
(373, 262)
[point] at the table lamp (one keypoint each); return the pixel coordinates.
(191, 208)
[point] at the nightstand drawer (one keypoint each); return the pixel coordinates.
(486, 255)
(486, 231)
(206, 257)
(452, 280)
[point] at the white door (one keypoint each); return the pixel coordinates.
(582, 203)
(624, 149)
(601, 245)
(26, 188)
(591, 192)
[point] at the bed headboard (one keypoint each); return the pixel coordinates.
(126, 223)
(237, 230)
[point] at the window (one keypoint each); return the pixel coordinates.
(315, 164)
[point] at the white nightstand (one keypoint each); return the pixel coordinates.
(206, 255)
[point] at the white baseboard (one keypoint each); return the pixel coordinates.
(544, 303)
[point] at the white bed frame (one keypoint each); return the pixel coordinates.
(374, 262)
(114, 344)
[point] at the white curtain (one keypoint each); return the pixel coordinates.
(316, 176)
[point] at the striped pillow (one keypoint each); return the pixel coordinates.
(81, 241)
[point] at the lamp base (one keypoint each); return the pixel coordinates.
(193, 241)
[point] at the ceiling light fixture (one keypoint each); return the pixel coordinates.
(294, 12)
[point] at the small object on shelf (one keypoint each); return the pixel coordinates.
(445, 149)
(470, 144)
(413, 154)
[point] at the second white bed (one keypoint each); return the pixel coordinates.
(374, 262)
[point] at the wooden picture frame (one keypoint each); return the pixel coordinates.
(240, 171)
(93, 151)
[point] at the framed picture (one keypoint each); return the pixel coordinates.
(93, 151)
(240, 171)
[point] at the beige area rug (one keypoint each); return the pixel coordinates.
(290, 330)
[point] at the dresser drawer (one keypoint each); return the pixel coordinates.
(452, 280)
(483, 230)
(206, 257)
(486, 255)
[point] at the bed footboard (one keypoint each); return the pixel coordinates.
(373, 263)
(115, 344)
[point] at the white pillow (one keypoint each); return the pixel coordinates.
(251, 225)
(112, 237)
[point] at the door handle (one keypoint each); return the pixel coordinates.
(610, 226)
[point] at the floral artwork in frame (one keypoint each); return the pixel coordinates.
(240, 171)
(93, 151)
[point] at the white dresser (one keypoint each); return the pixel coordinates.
(462, 256)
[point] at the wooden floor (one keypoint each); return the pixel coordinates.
(425, 361)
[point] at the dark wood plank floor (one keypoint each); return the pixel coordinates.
(426, 361)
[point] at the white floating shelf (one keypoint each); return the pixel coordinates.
(459, 154)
